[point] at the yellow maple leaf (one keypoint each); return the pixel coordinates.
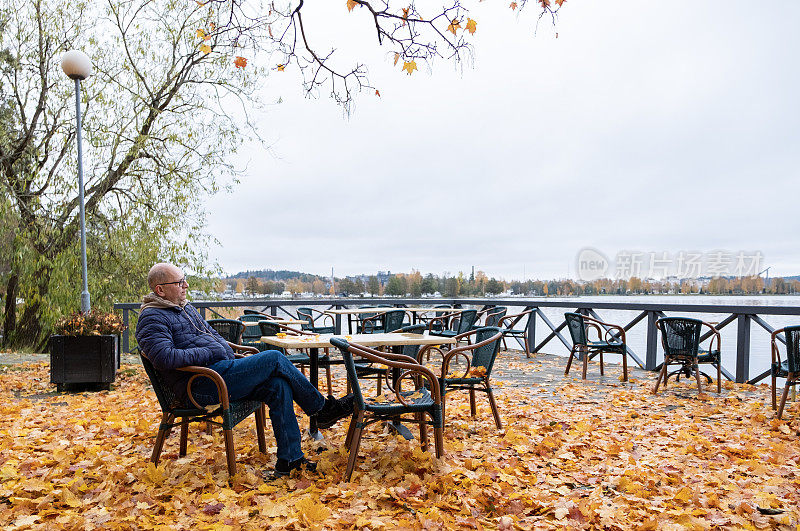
(311, 510)
(201, 34)
(409, 66)
(351, 4)
(205, 48)
(454, 25)
(471, 26)
(281, 68)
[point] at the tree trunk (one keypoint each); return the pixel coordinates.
(10, 317)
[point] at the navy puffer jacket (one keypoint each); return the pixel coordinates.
(175, 337)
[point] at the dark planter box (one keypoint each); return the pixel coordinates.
(84, 360)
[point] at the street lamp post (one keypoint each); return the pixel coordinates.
(78, 66)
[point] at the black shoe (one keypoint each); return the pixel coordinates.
(284, 468)
(334, 410)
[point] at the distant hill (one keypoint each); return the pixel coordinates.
(269, 274)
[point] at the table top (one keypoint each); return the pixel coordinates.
(368, 340)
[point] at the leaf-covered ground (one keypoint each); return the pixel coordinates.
(574, 454)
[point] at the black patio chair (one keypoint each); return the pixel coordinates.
(230, 329)
(408, 406)
(788, 368)
(366, 369)
(307, 314)
(680, 337)
(175, 413)
(383, 322)
(507, 324)
(479, 356)
(608, 341)
(251, 335)
(455, 324)
(442, 310)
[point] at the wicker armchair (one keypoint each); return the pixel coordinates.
(479, 357)
(307, 314)
(175, 413)
(680, 337)
(507, 324)
(455, 324)
(788, 368)
(230, 329)
(383, 322)
(608, 341)
(411, 405)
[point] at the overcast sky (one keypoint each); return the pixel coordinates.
(646, 126)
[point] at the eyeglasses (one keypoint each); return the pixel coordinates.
(180, 282)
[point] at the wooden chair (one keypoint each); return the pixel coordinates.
(788, 368)
(174, 413)
(230, 329)
(607, 341)
(480, 356)
(410, 406)
(680, 337)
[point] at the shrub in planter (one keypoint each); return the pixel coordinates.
(85, 350)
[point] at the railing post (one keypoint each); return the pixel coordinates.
(652, 342)
(530, 333)
(743, 348)
(273, 310)
(125, 336)
(338, 320)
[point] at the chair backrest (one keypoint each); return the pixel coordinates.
(412, 350)
(393, 320)
(305, 314)
(485, 355)
(792, 334)
(250, 318)
(248, 311)
(494, 315)
(680, 335)
(268, 328)
(577, 329)
(167, 398)
(230, 329)
(466, 320)
(350, 367)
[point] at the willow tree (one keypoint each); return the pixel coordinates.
(158, 131)
(166, 107)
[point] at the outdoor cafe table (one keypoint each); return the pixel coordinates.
(315, 342)
(414, 310)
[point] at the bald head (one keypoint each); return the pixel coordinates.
(162, 272)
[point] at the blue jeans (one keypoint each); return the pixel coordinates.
(270, 378)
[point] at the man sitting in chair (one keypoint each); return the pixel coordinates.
(172, 334)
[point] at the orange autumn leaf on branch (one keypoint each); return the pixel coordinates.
(205, 48)
(545, 3)
(240, 62)
(409, 66)
(513, 5)
(377, 93)
(454, 25)
(472, 26)
(405, 14)
(201, 34)
(351, 4)
(281, 68)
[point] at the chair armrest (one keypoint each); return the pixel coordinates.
(776, 353)
(443, 318)
(237, 349)
(514, 318)
(598, 324)
(716, 336)
(205, 372)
